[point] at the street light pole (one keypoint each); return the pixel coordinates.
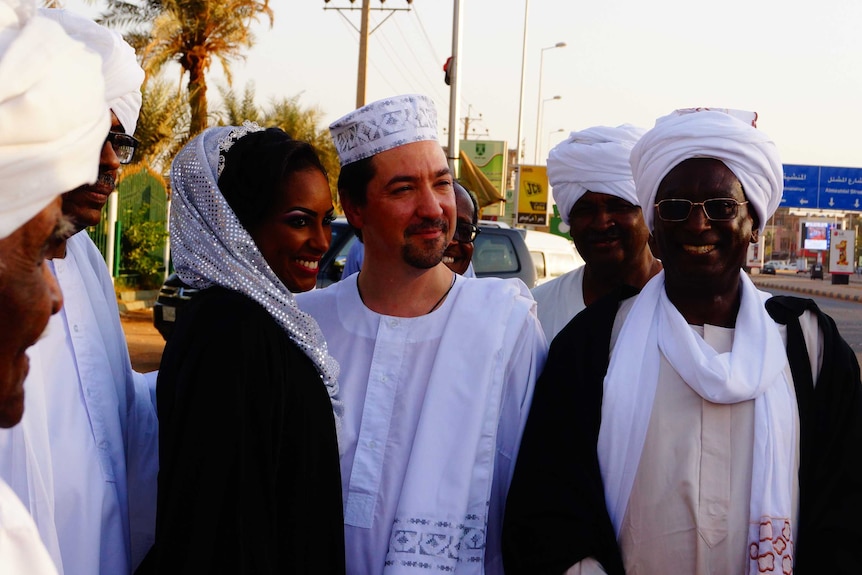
(539, 123)
(557, 131)
(538, 111)
(518, 143)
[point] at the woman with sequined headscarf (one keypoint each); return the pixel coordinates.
(247, 393)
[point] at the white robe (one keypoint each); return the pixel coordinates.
(689, 506)
(559, 300)
(84, 459)
(434, 410)
(21, 550)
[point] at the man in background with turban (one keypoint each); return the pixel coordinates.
(593, 188)
(705, 427)
(85, 458)
(48, 145)
(437, 369)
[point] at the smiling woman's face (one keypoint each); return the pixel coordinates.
(297, 231)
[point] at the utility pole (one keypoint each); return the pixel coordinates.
(363, 53)
(467, 119)
(364, 33)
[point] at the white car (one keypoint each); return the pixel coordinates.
(553, 255)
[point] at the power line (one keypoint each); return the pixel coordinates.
(428, 41)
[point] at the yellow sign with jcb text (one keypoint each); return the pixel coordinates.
(533, 196)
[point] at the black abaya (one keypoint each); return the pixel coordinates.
(249, 478)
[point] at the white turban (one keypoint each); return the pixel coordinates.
(53, 119)
(703, 133)
(123, 75)
(594, 160)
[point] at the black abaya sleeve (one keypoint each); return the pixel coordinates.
(555, 511)
(830, 466)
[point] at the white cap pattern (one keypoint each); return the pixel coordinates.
(383, 125)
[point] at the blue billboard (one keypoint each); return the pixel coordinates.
(822, 188)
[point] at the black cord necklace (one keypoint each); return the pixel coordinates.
(435, 306)
(439, 301)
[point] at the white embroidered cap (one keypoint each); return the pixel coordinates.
(383, 125)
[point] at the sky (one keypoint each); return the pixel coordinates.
(798, 64)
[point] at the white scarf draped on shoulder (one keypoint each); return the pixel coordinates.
(441, 520)
(754, 369)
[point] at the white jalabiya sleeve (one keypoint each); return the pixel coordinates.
(559, 300)
(21, 550)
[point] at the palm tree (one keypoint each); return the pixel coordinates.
(236, 110)
(192, 33)
(134, 17)
(287, 114)
(163, 125)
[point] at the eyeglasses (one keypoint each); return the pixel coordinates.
(716, 209)
(124, 146)
(465, 233)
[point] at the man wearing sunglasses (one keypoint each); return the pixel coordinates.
(459, 255)
(86, 460)
(716, 429)
(594, 191)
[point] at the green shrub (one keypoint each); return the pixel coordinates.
(140, 244)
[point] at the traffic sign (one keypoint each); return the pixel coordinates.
(822, 187)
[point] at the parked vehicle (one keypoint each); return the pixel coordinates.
(778, 267)
(332, 263)
(552, 255)
(500, 251)
(817, 271)
(173, 297)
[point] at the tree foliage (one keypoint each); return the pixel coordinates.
(140, 242)
(286, 113)
(163, 126)
(192, 33)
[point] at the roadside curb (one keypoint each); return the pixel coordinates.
(820, 292)
(136, 300)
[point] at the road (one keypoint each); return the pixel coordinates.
(145, 343)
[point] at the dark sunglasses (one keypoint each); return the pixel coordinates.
(716, 209)
(465, 233)
(124, 146)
